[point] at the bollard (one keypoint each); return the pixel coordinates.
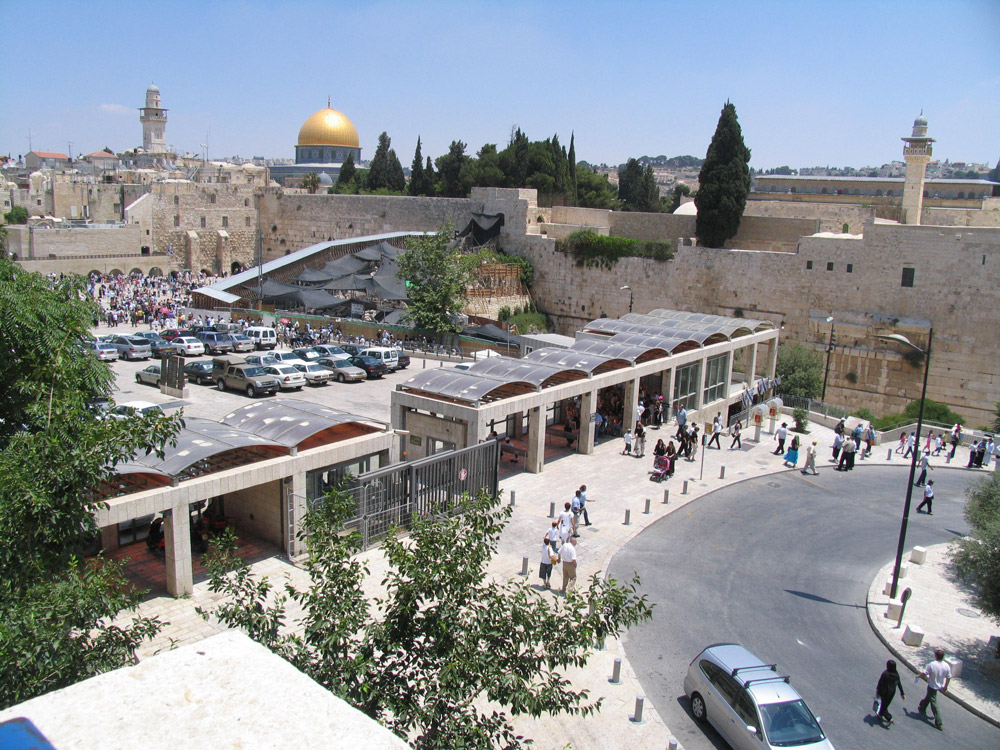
(616, 673)
(684, 491)
(948, 459)
(524, 566)
(666, 496)
(628, 518)
(552, 510)
(639, 701)
(512, 494)
(425, 365)
(889, 457)
(647, 507)
(672, 745)
(722, 472)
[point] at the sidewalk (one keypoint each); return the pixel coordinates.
(943, 608)
(615, 483)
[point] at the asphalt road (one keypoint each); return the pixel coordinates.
(782, 565)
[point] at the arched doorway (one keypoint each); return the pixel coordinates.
(236, 268)
(155, 271)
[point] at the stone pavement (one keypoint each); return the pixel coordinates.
(615, 483)
(942, 607)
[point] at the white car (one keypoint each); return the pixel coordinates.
(242, 343)
(287, 376)
(315, 374)
(288, 358)
(103, 351)
(189, 346)
(134, 409)
(261, 360)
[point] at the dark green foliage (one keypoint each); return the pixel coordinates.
(430, 177)
(421, 182)
(680, 190)
(445, 628)
(527, 274)
(385, 172)
(571, 158)
(310, 182)
(54, 609)
(594, 191)
(17, 215)
(394, 173)
(996, 419)
(503, 313)
(724, 182)
(801, 371)
(637, 187)
(347, 171)
(801, 417)
(977, 556)
(449, 169)
(933, 412)
(865, 414)
(597, 251)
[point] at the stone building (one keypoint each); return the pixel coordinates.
(326, 139)
(154, 123)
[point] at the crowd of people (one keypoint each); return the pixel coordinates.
(137, 299)
(559, 543)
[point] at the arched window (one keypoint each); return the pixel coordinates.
(824, 191)
(927, 194)
(793, 189)
(888, 193)
(878, 193)
(857, 191)
(961, 194)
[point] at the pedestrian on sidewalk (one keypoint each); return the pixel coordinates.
(810, 459)
(924, 465)
(549, 557)
(938, 444)
(838, 443)
(956, 438)
(902, 442)
(886, 689)
(846, 456)
(911, 441)
(792, 456)
(682, 417)
(716, 432)
(735, 432)
(627, 450)
(582, 492)
(640, 440)
(780, 434)
(938, 674)
(568, 558)
(928, 498)
(693, 443)
(566, 522)
(553, 535)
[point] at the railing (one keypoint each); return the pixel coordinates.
(814, 406)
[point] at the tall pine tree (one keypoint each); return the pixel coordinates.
(724, 182)
(416, 186)
(571, 198)
(395, 179)
(347, 172)
(378, 170)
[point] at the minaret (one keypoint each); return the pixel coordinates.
(154, 123)
(916, 153)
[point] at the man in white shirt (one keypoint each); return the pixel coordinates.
(780, 434)
(938, 674)
(567, 554)
(566, 522)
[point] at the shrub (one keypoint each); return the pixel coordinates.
(801, 417)
(504, 313)
(865, 414)
(597, 251)
(852, 377)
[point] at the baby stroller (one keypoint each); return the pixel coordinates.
(661, 469)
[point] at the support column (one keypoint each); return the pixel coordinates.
(588, 409)
(631, 405)
(752, 371)
(536, 440)
(294, 508)
(772, 364)
(109, 538)
(667, 387)
(517, 424)
(177, 545)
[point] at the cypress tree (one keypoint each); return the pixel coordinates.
(724, 182)
(378, 170)
(347, 171)
(417, 173)
(572, 169)
(430, 178)
(395, 179)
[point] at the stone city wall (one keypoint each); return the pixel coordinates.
(38, 243)
(832, 217)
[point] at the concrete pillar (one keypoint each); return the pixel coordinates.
(588, 408)
(631, 405)
(109, 538)
(294, 508)
(729, 371)
(667, 387)
(397, 416)
(177, 545)
(752, 369)
(536, 440)
(772, 358)
(517, 424)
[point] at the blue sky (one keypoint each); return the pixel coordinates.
(814, 83)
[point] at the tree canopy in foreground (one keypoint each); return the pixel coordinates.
(977, 556)
(446, 652)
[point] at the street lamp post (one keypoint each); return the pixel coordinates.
(916, 445)
(631, 296)
(829, 349)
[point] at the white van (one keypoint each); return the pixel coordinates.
(384, 354)
(263, 338)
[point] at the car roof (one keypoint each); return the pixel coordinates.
(765, 683)
(139, 404)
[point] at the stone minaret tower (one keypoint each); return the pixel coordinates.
(154, 123)
(916, 152)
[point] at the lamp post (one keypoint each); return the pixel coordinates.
(829, 349)
(631, 296)
(898, 338)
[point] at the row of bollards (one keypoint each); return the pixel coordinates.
(640, 700)
(513, 493)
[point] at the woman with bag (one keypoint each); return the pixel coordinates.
(885, 691)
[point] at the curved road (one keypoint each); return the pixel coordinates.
(782, 564)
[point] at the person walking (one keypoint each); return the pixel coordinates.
(886, 689)
(911, 441)
(577, 509)
(780, 434)
(627, 450)
(549, 556)
(938, 674)
(735, 431)
(792, 456)
(924, 465)
(716, 432)
(568, 558)
(838, 443)
(682, 417)
(956, 439)
(928, 498)
(846, 456)
(566, 522)
(640, 440)
(902, 443)
(810, 459)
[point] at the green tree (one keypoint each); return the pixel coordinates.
(680, 190)
(514, 159)
(571, 198)
(977, 556)
(348, 171)
(437, 275)
(446, 636)
(54, 608)
(594, 191)
(430, 178)
(724, 182)
(395, 177)
(378, 169)
(449, 169)
(994, 176)
(17, 215)
(417, 184)
(629, 179)
(310, 182)
(801, 371)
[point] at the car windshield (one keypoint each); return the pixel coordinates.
(254, 372)
(136, 341)
(789, 724)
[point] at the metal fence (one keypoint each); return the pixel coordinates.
(814, 406)
(395, 496)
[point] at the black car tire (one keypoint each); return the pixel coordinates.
(251, 391)
(138, 379)
(220, 384)
(698, 708)
(341, 378)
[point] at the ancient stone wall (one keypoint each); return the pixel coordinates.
(832, 217)
(40, 243)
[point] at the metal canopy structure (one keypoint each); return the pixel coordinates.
(609, 327)
(569, 359)
(299, 424)
(539, 375)
(449, 384)
(668, 345)
(625, 352)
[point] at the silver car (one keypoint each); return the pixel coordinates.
(103, 351)
(287, 376)
(749, 703)
(242, 343)
(130, 347)
(315, 374)
(342, 369)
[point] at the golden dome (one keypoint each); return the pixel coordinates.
(328, 127)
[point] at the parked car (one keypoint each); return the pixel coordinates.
(131, 347)
(215, 342)
(332, 351)
(263, 337)
(233, 372)
(315, 374)
(307, 353)
(261, 360)
(242, 343)
(134, 409)
(353, 349)
(102, 350)
(288, 358)
(373, 368)
(748, 702)
(171, 333)
(385, 354)
(288, 377)
(342, 369)
(199, 372)
(189, 346)
(403, 360)
(151, 375)
(160, 346)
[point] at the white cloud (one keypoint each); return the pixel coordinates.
(115, 109)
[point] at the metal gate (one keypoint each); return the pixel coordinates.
(394, 496)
